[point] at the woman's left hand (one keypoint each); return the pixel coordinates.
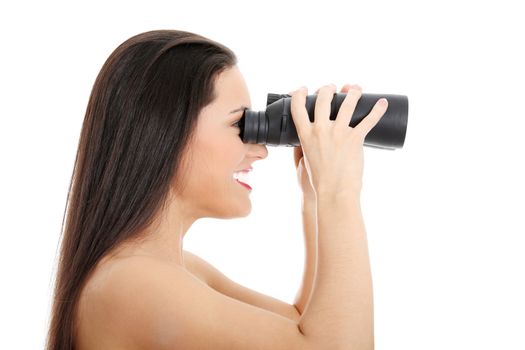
(302, 175)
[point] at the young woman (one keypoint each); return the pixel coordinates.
(159, 149)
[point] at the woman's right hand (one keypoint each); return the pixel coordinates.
(332, 150)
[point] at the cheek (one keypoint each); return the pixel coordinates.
(215, 163)
(211, 186)
(224, 151)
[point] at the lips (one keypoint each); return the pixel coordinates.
(242, 177)
(243, 184)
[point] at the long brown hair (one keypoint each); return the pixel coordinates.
(139, 123)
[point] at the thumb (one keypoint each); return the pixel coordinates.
(297, 155)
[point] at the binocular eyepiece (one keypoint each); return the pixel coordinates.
(274, 126)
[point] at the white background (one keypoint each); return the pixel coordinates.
(444, 215)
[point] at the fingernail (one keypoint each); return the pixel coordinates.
(382, 102)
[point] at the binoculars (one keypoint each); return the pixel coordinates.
(274, 126)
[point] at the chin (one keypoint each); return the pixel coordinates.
(246, 212)
(236, 209)
(242, 211)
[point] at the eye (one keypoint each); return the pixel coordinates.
(236, 124)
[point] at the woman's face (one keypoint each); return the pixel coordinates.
(218, 152)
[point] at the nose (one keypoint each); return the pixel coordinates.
(257, 150)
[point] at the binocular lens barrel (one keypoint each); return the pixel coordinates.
(274, 126)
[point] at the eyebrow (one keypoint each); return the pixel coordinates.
(239, 109)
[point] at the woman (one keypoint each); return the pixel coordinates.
(159, 149)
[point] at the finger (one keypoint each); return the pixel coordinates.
(297, 155)
(323, 104)
(372, 118)
(345, 88)
(317, 91)
(347, 108)
(291, 92)
(299, 113)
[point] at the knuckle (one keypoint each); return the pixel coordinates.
(326, 92)
(356, 92)
(327, 88)
(359, 135)
(318, 130)
(298, 92)
(341, 132)
(353, 94)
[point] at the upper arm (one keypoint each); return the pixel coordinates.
(224, 285)
(165, 307)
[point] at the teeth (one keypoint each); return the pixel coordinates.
(242, 176)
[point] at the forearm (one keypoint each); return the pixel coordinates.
(310, 256)
(341, 299)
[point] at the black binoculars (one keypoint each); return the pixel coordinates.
(274, 126)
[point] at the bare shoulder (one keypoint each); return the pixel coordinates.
(199, 267)
(144, 303)
(118, 294)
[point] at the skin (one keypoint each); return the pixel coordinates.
(210, 191)
(136, 316)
